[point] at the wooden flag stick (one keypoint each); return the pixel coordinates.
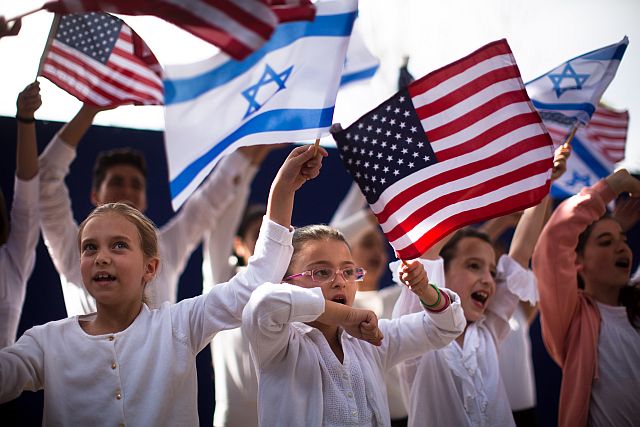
(22, 15)
(315, 147)
(571, 135)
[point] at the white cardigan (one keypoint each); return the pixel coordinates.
(291, 369)
(146, 374)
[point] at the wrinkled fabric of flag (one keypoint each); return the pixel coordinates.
(100, 60)
(596, 148)
(284, 92)
(458, 146)
(573, 89)
(237, 27)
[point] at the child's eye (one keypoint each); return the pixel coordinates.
(322, 273)
(605, 242)
(88, 247)
(474, 266)
(120, 245)
(349, 273)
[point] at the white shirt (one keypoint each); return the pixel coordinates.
(381, 302)
(296, 374)
(516, 364)
(177, 239)
(18, 256)
(614, 395)
(236, 384)
(146, 374)
(457, 386)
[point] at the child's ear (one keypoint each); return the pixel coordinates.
(579, 264)
(150, 269)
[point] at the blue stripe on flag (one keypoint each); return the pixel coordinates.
(610, 53)
(584, 106)
(359, 75)
(181, 90)
(558, 193)
(588, 158)
(269, 121)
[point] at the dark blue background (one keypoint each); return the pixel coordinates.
(315, 203)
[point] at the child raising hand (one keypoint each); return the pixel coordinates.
(126, 362)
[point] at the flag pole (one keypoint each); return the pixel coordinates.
(567, 142)
(50, 37)
(315, 147)
(22, 15)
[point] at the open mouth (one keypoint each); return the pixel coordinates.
(480, 296)
(103, 278)
(340, 299)
(623, 263)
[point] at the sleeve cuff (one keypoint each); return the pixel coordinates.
(276, 232)
(520, 281)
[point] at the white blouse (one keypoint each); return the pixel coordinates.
(300, 381)
(146, 374)
(461, 386)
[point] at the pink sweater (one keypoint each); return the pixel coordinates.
(570, 318)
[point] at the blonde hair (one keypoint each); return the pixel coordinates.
(146, 228)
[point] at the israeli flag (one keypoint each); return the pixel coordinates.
(284, 92)
(585, 167)
(360, 64)
(574, 88)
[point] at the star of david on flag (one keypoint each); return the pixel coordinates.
(269, 78)
(458, 146)
(284, 92)
(573, 89)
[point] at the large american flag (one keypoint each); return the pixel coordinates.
(101, 61)
(458, 146)
(237, 27)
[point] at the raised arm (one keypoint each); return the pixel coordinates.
(222, 307)
(554, 256)
(18, 254)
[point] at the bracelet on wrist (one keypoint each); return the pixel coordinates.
(435, 304)
(25, 119)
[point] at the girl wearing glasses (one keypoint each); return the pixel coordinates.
(309, 372)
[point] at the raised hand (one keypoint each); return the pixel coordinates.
(300, 166)
(560, 158)
(627, 212)
(413, 275)
(7, 29)
(622, 182)
(29, 101)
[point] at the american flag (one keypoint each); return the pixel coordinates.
(458, 146)
(237, 27)
(606, 132)
(101, 61)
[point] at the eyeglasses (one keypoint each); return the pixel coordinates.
(326, 274)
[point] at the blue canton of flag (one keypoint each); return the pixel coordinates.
(574, 88)
(385, 146)
(284, 92)
(94, 37)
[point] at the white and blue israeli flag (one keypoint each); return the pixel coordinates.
(284, 92)
(574, 88)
